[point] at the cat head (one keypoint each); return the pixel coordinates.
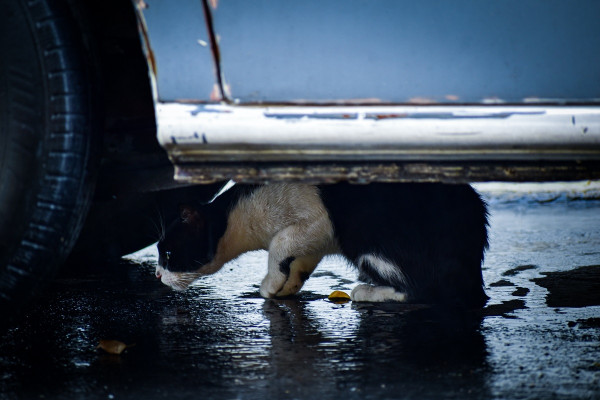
(187, 245)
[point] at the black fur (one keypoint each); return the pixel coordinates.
(435, 233)
(284, 266)
(190, 243)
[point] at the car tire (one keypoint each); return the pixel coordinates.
(46, 144)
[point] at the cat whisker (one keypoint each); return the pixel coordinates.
(161, 226)
(158, 225)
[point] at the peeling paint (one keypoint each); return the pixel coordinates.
(145, 39)
(387, 116)
(532, 100)
(342, 116)
(208, 109)
(194, 134)
(340, 102)
(563, 101)
(493, 100)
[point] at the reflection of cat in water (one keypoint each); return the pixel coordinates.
(411, 242)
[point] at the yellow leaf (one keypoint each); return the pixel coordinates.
(112, 346)
(338, 296)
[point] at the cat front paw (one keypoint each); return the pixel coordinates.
(289, 277)
(377, 294)
(272, 284)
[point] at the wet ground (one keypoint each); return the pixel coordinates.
(539, 337)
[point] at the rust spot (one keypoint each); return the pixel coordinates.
(421, 100)
(141, 4)
(151, 60)
(386, 116)
(215, 95)
(452, 97)
(214, 4)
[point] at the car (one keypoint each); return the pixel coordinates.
(113, 111)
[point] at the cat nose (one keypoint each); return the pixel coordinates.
(158, 274)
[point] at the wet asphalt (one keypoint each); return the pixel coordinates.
(538, 338)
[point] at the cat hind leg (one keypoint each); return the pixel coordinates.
(383, 273)
(377, 294)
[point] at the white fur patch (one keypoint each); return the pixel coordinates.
(386, 269)
(272, 283)
(176, 280)
(376, 294)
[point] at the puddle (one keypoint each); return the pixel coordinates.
(588, 323)
(501, 283)
(516, 270)
(504, 309)
(579, 287)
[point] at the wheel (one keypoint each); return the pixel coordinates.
(46, 144)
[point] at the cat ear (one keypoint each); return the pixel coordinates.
(191, 216)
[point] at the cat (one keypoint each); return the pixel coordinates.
(411, 242)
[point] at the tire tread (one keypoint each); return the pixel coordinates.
(65, 186)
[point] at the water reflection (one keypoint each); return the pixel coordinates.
(423, 351)
(393, 350)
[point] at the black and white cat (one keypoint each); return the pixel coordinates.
(411, 242)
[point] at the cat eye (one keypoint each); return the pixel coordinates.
(167, 254)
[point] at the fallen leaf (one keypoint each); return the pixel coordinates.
(113, 346)
(337, 296)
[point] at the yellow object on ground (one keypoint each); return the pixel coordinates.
(338, 296)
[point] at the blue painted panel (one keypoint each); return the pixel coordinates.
(399, 51)
(180, 43)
